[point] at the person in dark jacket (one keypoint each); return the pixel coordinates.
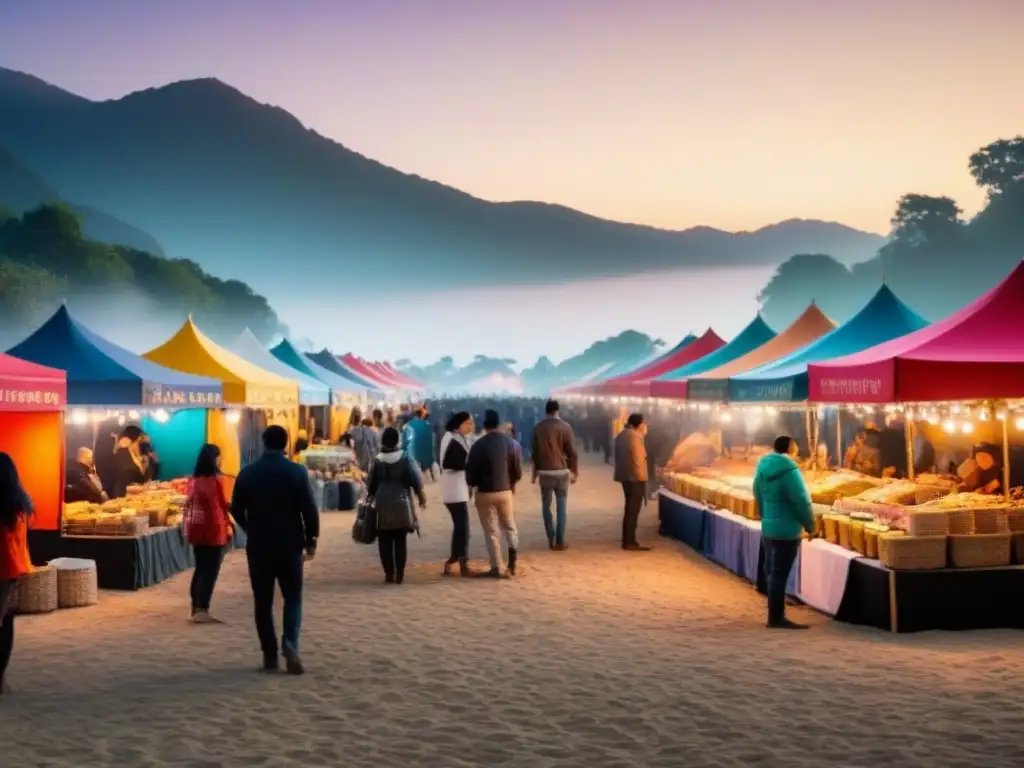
(129, 468)
(555, 465)
(631, 472)
(273, 503)
(454, 491)
(394, 477)
(83, 484)
(493, 468)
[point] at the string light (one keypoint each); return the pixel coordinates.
(79, 417)
(233, 417)
(967, 427)
(1019, 423)
(949, 426)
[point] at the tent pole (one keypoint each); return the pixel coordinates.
(908, 433)
(1006, 453)
(807, 429)
(839, 437)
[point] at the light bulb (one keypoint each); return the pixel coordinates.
(1019, 423)
(161, 416)
(1001, 415)
(99, 416)
(233, 417)
(955, 409)
(726, 416)
(984, 414)
(133, 415)
(79, 416)
(967, 427)
(949, 426)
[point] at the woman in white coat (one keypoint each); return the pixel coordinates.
(454, 490)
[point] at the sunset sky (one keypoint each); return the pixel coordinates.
(731, 113)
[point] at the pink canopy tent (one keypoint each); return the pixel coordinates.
(974, 354)
(638, 383)
(365, 371)
(401, 378)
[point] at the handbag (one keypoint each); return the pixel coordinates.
(364, 529)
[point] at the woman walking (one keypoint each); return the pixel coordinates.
(454, 491)
(15, 509)
(208, 528)
(394, 477)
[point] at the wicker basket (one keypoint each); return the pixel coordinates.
(857, 537)
(37, 591)
(980, 551)
(1017, 545)
(831, 523)
(961, 522)
(926, 493)
(844, 532)
(995, 520)
(871, 537)
(1015, 518)
(76, 582)
(912, 553)
(927, 522)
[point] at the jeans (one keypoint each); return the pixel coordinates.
(459, 510)
(635, 492)
(779, 556)
(204, 577)
(394, 551)
(6, 627)
(557, 486)
(268, 569)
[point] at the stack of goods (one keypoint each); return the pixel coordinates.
(329, 467)
(731, 492)
(888, 503)
(152, 505)
(979, 528)
(692, 452)
(827, 487)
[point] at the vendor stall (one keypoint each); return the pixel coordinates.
(638, 383)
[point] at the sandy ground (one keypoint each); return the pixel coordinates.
(594, 657)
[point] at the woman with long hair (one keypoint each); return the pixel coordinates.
(394, 477)
(15, 510)
(208, 528)
(454, 491)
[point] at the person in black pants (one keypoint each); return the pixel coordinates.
(6, 627)
(273, 503)
(393, 477)
(454, 451)
(631, 472)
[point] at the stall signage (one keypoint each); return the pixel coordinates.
(157, 394)
(29, 399)
(269, 396)
(841, 389)
(716, 390)
(779, 390)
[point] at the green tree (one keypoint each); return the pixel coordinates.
(999, 166)
(923, 219)
(26, 291)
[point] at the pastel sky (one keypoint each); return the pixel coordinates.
(731, 113)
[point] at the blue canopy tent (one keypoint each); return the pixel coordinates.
(289, 354)
(325, 359)
(312, 392)
(883, 318)
(756, 333)
(100, 373)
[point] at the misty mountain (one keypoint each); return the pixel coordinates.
(22, 189)
(231, 183)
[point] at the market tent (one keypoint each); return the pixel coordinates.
(325, 359)
(713, 384)
(629, 365)
(401, 377)
(638, 383)
(973, 354)
(191, 351)
(101, 373)
(883, 318)
(32, 397)
(385, 376)
(757, 333)
(362, 369)
(311, 391)
(290, 355)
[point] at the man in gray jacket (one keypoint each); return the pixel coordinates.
(556, 465)
(631, 472)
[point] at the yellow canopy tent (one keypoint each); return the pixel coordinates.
(245, 385)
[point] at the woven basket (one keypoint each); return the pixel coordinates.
(927, 522)
(926, 493)
(844, 532)
(831, 523)
(1017, 545)
(76, 582)
(996, 520)
(857, 537)
(1015, 518)
(961, 522)
(912, 553)
(980, 551)
(37, 591)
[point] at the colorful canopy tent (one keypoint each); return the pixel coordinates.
(974, 354)
(102, 373)
(638, 383)
(402, 378)
(191, 351)
(311, 391)
(757, 333)
(628, 365)
(713, 384)
(32, 433)
(325, 359)
(883, 318)
(365, 371)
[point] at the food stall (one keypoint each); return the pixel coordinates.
(337, 481)
(108, 387)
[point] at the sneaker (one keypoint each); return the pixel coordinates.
(293, 662)
(389, 578)
(204, 617)
(271, 665)
(786, 624)
(494, 573)
(551, 542)
(561, 546)
(637, 547)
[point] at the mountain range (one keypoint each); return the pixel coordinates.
(245, 190)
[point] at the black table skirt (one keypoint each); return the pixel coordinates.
(123, 562)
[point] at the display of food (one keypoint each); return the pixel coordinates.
(827, 487)
(153, 505)
(331, 463)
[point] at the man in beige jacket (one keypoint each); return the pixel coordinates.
(631, 471)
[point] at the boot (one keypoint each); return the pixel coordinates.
(464, 570)
(448, 566)
(513, 556)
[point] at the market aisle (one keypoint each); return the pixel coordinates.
(595, 657)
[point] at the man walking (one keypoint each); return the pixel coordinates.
(555, 465)
(493, 468)
(631, 471)
(273, 503)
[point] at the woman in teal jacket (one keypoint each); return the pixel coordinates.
(785, 507)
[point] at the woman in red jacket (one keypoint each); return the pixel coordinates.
(208, 528)
(15, 509)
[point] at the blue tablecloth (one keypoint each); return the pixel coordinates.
(682, 519)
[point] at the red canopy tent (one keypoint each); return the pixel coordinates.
(363, 369)
(32, 433)
(400, 377)
(974, 354)
(638, 383)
